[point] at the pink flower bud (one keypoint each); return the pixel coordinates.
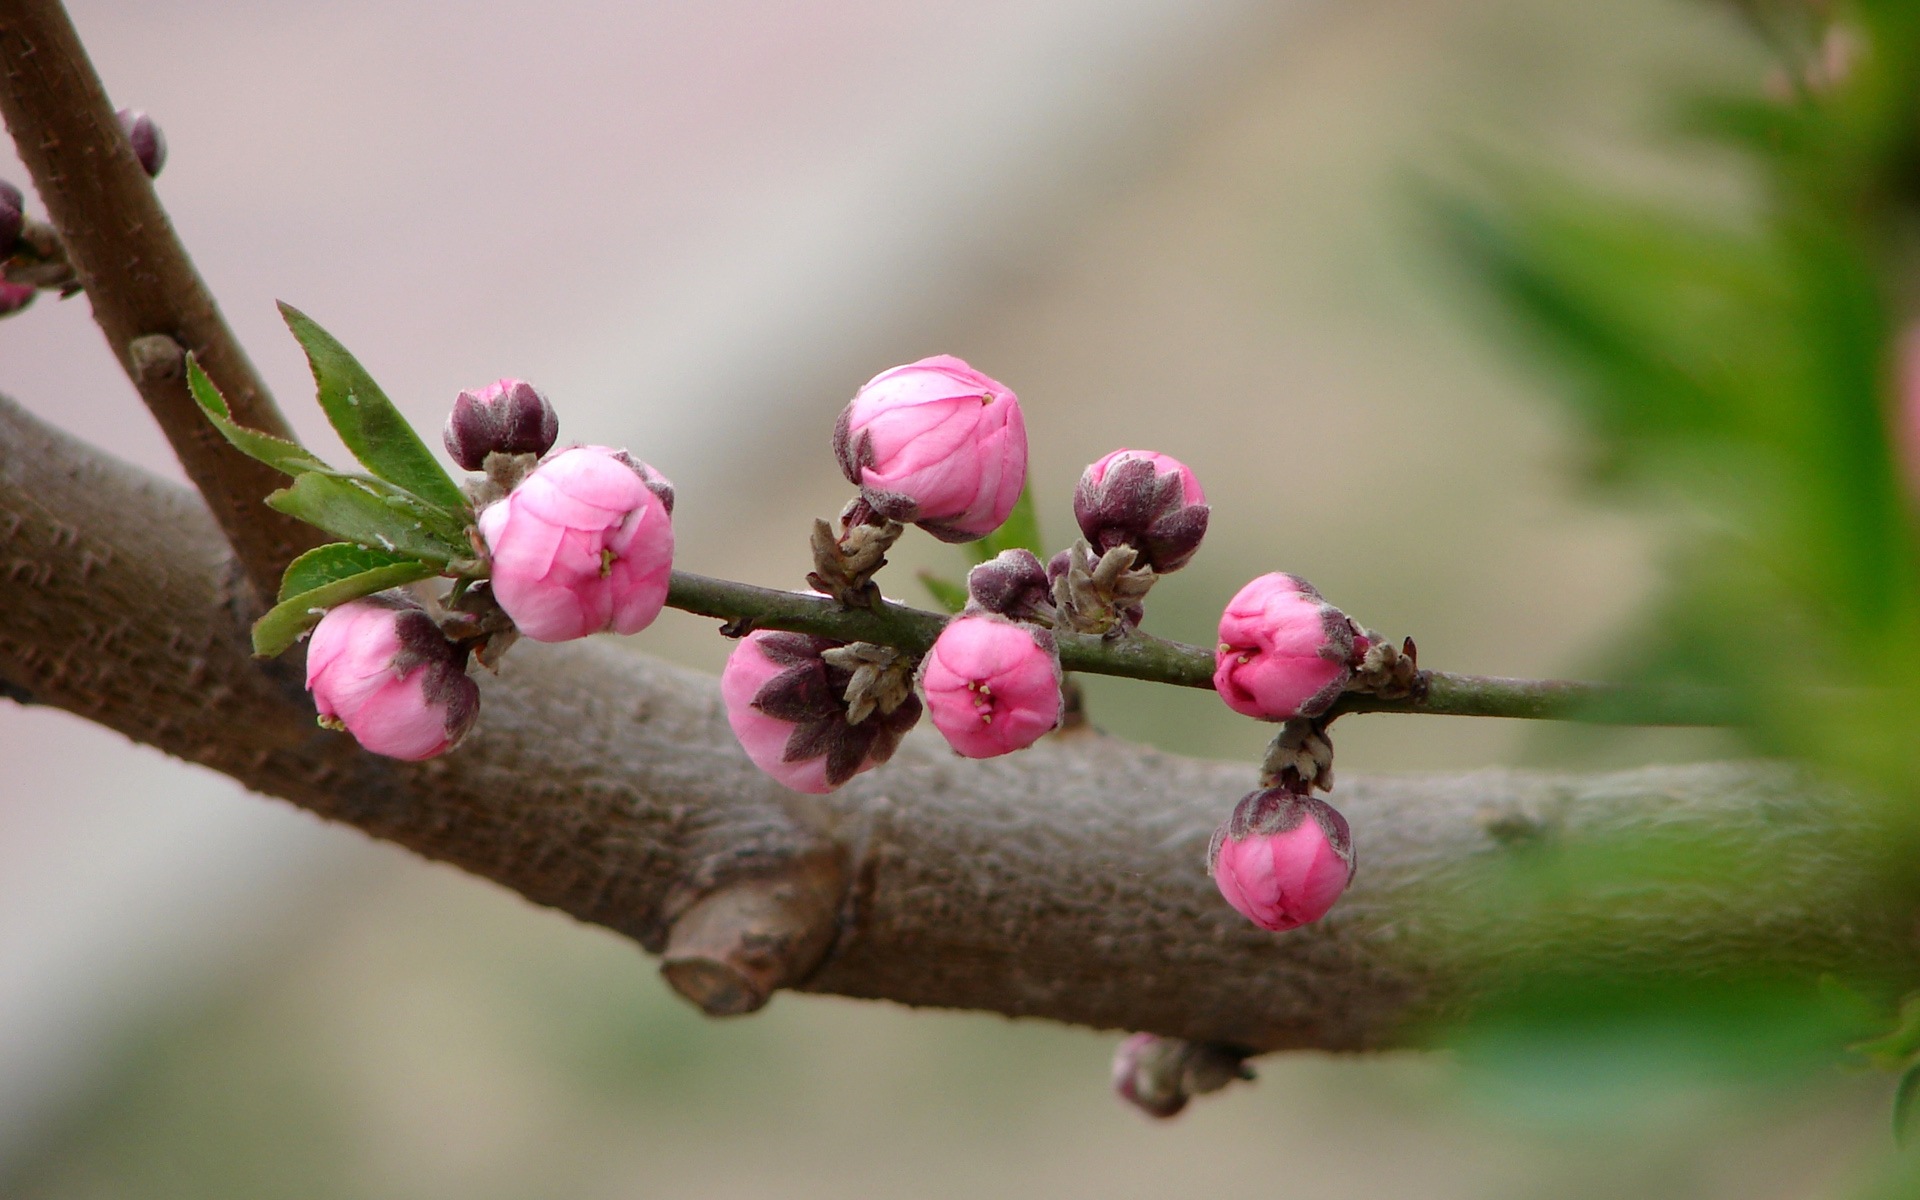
(1284, 652)
(379, 668)
(149, 146)
(584, 544)
(788, 708)
(1282, 858)
(508, 416)
(15, 296)
(992, 686)
(1144, 500)
(936, 444)
(13, 217)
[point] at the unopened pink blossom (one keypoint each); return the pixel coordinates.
(992, 685)
(380, 669)
(1146, 500)
(584, 544)
(1282, 859)
(937, 444)
(508, 416)
(1284, 652)
(787, 706)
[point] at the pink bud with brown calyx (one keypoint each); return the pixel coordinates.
(1146, 500)
(380, 669)
(584, 544)
(1282, 858)
(992, 685)
(1284, 652)
(807, 714)
(508, 416)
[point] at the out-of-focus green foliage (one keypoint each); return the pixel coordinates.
(1739, 370)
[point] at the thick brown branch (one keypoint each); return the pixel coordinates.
(1063, 882)
(138, 276)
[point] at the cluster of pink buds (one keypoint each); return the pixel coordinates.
(577, 541)
(380, 668)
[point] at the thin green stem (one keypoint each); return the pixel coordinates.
(1143, 656)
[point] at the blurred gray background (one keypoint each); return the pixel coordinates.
(1184, 227)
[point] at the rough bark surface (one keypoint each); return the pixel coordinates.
(1065, 882)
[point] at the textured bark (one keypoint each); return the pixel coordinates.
(138, 278)
(1065, 882)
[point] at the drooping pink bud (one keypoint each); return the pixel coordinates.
(583, 544)
(379, 668)
(13, 217)
(149, 145)
(1282, 858)
(15, 296)
(508, 416)
(936, 444)
(992, 685)
(1284, 652)
(788, 708)
(1145, 500)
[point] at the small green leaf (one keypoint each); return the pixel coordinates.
(287, 620)
(1020, 531)
(1903, 1106)
(946, 593)
(367, 421)
(334, 562)
(278, 453)
(1898, 1045)
(360, 512)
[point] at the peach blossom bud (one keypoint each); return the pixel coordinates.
(583, 544)
(379, 668)
(993, 686)
(1284, 652)
(508, 416)
(788, 708)
(1145, 500)
(15, 296)
(13, 217)
(149, 146)
(936, 444)
(1282, 858)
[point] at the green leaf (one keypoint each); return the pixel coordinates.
(278, 453)
(287, 620)
(1021, 530)
(367, 421)
(334, 562)
(1898, 1045)
(946, 593)
(1903, 1107)
(359, 511)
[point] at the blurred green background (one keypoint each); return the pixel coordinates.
(1195, 229)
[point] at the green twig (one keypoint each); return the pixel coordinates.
(1142, 656)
